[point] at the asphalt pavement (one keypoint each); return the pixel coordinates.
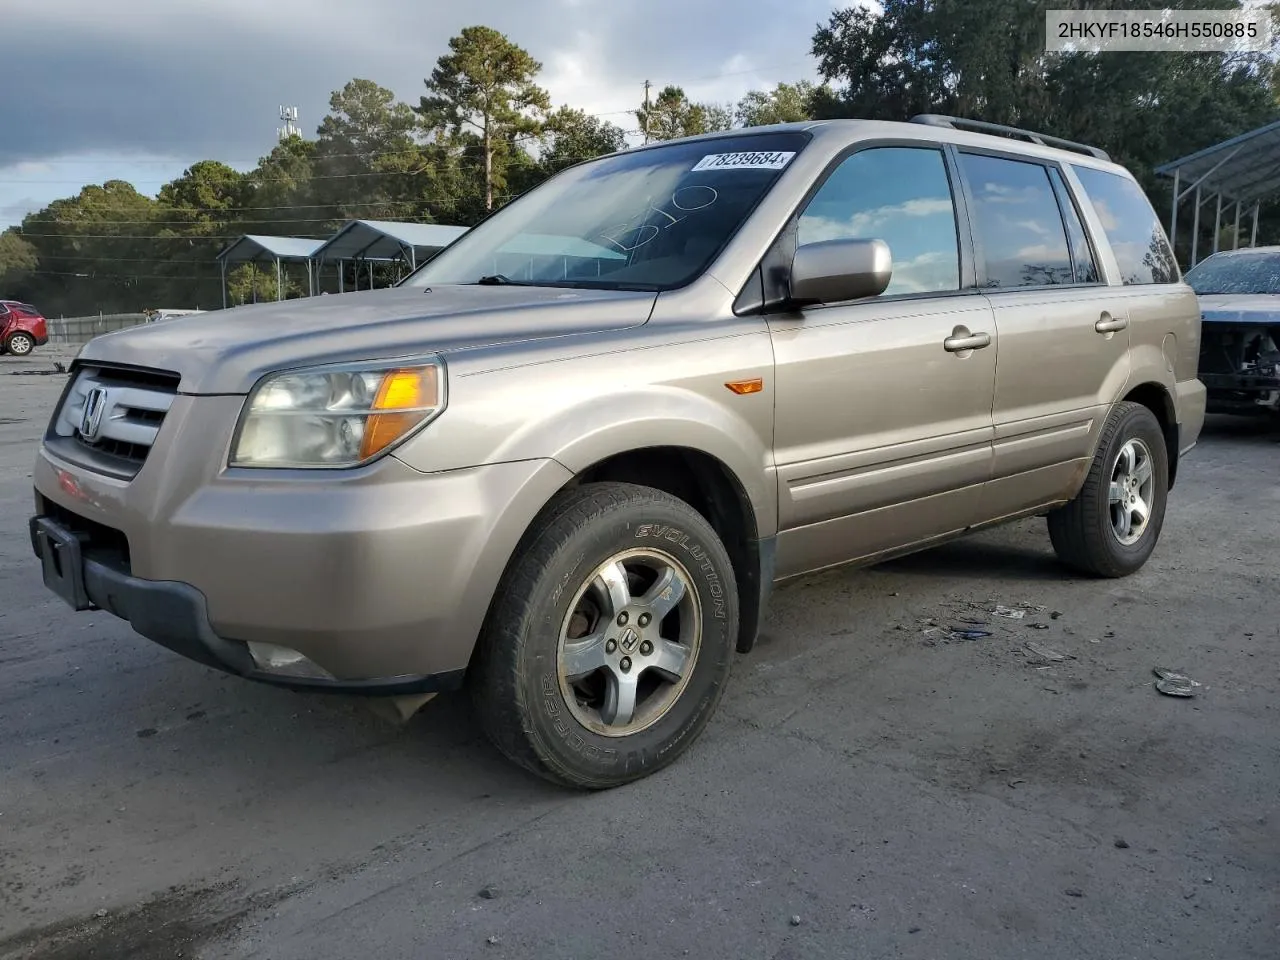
(871, 786)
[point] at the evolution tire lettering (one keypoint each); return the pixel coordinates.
(681, 539)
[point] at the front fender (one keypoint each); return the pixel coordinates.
(661, 417)
(585, 409)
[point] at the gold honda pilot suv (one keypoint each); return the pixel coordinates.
(563, 463)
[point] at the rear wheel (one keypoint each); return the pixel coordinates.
(20, 344)
(611, 638)
(1111, 527)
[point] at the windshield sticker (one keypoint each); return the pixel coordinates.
(762, 160)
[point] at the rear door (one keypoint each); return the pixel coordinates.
(1064, 339)
(883, 405)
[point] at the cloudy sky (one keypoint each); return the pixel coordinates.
(139, 89)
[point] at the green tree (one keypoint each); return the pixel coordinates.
(363, 148)
(785, 103)
(485, 87)
(18, 259)
(97, 251)
(716, 117)
(247, 284)
(570, 136)
(279, 189)
(205, 199)
(672, 114)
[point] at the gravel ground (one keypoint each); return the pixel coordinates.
(869, 788)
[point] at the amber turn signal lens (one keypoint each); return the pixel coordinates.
(408, 390)
(746, 386)
(412, 392)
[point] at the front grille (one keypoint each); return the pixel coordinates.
(109, 417)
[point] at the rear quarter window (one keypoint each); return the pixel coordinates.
(1138, 240)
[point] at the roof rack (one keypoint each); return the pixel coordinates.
(981, 126)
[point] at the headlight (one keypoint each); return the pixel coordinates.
(336, 416)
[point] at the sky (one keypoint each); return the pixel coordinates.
(140, 89)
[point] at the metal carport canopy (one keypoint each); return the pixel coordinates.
(387, 240)
(257, 248)
(1240, 171)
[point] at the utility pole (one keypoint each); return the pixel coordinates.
(289, 117)
(647, 85)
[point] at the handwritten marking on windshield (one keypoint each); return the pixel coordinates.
(687, 199)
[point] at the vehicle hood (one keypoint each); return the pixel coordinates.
(227, 351)
(1240, 308)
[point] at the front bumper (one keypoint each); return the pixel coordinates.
(380, 577)
(1242, 393)
(175, 615)
(1240, 367)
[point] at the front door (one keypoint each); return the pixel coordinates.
(883, 413)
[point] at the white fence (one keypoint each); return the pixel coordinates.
(78, 330)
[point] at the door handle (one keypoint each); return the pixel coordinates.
(1110, 324)
(960, 342)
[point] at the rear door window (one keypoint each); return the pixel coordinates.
(1132, 227)
(1021, 239)
(1082, 256)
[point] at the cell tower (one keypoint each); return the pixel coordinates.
(289, 117)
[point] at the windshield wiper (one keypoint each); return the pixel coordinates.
(497, 280)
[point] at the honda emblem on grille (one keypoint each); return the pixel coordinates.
(95, 405)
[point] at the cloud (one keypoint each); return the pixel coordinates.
(869, 223)
(180, 80)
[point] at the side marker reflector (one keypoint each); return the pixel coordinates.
(746, 386)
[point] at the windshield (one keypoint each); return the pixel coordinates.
(645, 220)
(1247, 273)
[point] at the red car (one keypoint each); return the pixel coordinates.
(22, 328)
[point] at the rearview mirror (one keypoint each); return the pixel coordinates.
(832, 271)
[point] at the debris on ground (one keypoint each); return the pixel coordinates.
(1009, 613)
(1014, 783)
(1045, 653)
(795, 920)
(1073, 892)
(1122, 843)
(1055, 615)
(488, 893)
(492, 941)
(1038, 626)
(958, 633)
(1174, 684)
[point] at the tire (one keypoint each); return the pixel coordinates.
(20, 344)
(1088, 533)
(551, 619)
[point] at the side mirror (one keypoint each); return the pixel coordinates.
(832, 271)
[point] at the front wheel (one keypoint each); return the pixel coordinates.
(20, 344)
(1111, 527)
(610, 641)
